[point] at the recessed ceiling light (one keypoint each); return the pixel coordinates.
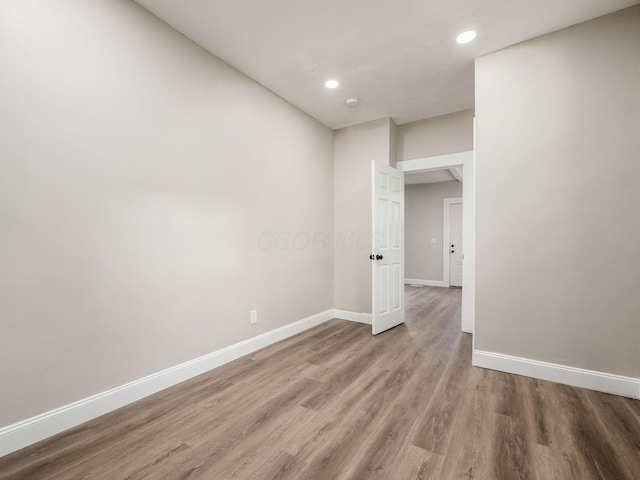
(332, 84)
(466, 37)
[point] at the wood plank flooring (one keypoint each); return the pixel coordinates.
(337, 403)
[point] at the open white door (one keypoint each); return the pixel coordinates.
(388, 247)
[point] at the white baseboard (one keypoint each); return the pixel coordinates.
(426, 283)
(353, 316)
(32, 430)
(577, 377)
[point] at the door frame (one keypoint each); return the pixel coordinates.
(446, 238)
(466, 160)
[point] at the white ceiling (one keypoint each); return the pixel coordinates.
(398, 57)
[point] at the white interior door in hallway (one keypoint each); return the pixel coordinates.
(455, 244)
(387, 247)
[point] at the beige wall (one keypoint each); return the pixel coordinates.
(354, 149)
(452, 133)
(558, 163)
(423, 213)
(137, 174)
(393, 143)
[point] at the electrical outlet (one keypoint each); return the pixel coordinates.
(253, 316)
(433, 240)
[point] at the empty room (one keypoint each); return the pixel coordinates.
(304, 240)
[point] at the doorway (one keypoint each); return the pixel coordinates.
(465, 162)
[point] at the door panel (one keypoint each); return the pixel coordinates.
(455, 250)
(388, 248)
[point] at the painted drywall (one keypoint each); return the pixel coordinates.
(393, 143)
(558, 163)
(423, 214)
(150, 197)
(452, 133)
(354, 149)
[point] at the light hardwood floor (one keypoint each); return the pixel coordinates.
(337, 403)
